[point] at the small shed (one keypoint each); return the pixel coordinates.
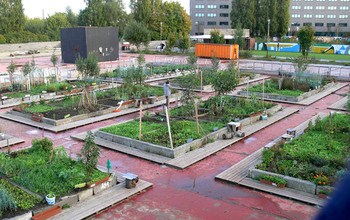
(102, 41)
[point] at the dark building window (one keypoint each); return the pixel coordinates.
(224, 15)
(319, 24)
(296, 24)
(211, 22)
(307, 24)
(223, 23)
(224, 6)
(199, 33)
(343, 24)
(330, 24)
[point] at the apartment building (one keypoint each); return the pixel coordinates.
(328, 17)
(210, 14)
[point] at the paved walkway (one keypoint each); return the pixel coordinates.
(339, 105)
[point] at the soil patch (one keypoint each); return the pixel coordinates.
(58, 114)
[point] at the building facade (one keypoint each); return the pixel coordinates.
(328, 17)
(210, 14)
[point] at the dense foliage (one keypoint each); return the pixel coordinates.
(306, 37)
(42, 169)
(273, 88)
(253, 15)
(319, 155)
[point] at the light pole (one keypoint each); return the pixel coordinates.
(161, 23)
(268, 37)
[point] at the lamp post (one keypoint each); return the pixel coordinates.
(161, 23)
(268, 37)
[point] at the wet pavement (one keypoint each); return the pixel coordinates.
(192, 193)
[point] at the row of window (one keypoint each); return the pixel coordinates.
(322, 24)
(320, 16)
(212, 15)
(321, 0)
(221, 23)
(321, 7)
(211, 6)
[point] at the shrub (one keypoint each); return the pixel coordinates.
(319, 161)
(245, 54)
(51, 89)
(17, 86)
(42, 145)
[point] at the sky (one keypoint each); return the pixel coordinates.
(34, 8)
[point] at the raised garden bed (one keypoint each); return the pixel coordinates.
(155, 138)
(70, 109)
(37, 170)
(312, 162)
(271, 91)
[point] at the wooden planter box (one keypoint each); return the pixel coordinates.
(322, 196)
(272, 183)
(98, 182)
(48, 213)
(252, 115)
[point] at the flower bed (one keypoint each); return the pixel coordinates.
(318, 156)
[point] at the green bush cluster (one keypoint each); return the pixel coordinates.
(24, 37)
(272, 88)
(318, 155)
(243, 54)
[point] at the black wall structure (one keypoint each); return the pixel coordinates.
(103, 41)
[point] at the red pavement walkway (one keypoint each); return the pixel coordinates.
(192, 193)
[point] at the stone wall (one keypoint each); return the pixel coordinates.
(29, 46)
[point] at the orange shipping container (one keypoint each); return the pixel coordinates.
(222, 51)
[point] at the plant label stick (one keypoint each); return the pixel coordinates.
(195, 108)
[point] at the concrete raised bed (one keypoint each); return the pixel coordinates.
(287, 98)
(173, 153)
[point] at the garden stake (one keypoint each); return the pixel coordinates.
(202, 83)
(195, 108)
(168, 123)
(8, 146)
(140, 120)
(263, 92)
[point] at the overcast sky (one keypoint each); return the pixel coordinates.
(34, 8)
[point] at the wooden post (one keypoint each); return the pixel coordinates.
(168, 123)
(202, 83)
(263, 92)
(140, 135)
(196, 110)
(8, 146)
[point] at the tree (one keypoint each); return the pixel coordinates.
(216, 37)
(72, 18)
(89, 154)
(239, 37)
(305, 37)
(223, 82)
(176, 19)
(184, 42)
(141, 10)
(170, 44)
(11, 70)
(54, 24)
(137, 33)
(192, 60)
(54, 59)
(88, 67)
(11, 16)
(93, 14)
(253, 15)
(187, 83)
(35, 25)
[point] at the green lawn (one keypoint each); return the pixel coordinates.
(311, 55)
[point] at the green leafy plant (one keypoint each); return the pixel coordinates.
(89, 154)
(274, 179)
(7, 203)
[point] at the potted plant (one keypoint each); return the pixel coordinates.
(50, 198)
(324, 193)
(273, 180)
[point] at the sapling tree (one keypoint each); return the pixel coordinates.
(223, 82)
(189, 82)
(54, 60)
(88, 67)
(192, 60)
(89, 154)
(11, 70)
(215, 63)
